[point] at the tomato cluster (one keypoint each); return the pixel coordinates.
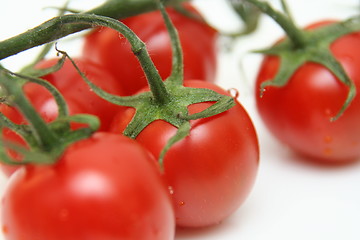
(108, 186)
(187, 161)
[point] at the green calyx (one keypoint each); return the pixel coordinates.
(45, 141)
(303, 46)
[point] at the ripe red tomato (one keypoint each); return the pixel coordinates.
(105, 187)
(198, 42)
(211, 172)
(299, 113)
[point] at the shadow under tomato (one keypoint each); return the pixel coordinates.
(230, 225)
(321, 163)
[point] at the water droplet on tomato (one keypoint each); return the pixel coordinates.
(5, 229)
(328, 112)
(171, 190)
(328, 139)
(328, 151)
(64, 214)
(181, 203)
(233, 92)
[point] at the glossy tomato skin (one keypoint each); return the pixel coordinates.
(103, 188)
(198, 42)
(211, 172)
(299, 113)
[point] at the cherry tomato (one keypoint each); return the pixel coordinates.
(105, 187)
(299, 113)
(211, 172)
(198, 42)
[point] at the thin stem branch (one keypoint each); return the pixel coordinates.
(44, 136)
(156, 84)
(46, 33)
(177, 71)
(296, 35)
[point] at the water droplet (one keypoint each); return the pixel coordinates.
(171, 190)
(328, 139)
(64, 214)
(181, 203)
(328, 112)
(5, 229)
(328, 151)
(233, 92)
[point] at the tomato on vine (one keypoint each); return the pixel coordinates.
(212, 170)
(306, 88)
(80, 184)
(114, 53)
(204, 140)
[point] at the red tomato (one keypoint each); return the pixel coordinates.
(211, 172)
(299, 113)
(198, 41)
(105, 187)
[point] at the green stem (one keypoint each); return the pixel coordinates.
(177, 70)
(156, 84)
(295, 34)
(44, 136)
(46, 32)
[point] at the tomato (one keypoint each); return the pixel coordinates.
(198, 42)
(105, 187)
(299, 113)
(210, 172)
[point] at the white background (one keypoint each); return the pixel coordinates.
(292, 199)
